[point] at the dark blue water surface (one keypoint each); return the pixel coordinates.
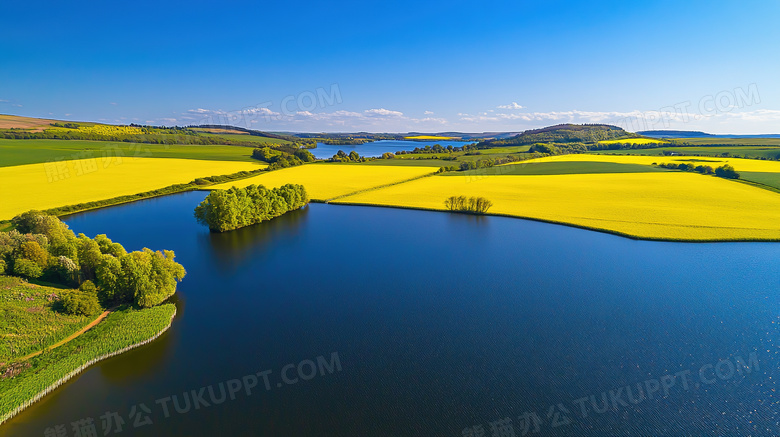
(443, 324)
(377, 148)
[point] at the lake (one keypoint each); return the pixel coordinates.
(377, 148)
(390, 322)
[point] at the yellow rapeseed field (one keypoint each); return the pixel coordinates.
(427, 137)
(633, 141)
(326, 181)
(54, 184)
(654, 205)
(103, 129)
(738, 163)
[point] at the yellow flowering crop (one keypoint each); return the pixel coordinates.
(326, 181)
(61, 183)
(655, 205)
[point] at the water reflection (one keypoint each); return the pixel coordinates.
(234, 249)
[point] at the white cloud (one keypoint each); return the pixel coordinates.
(384, 112)
(113, 103)
(381, 119)
(512, 105)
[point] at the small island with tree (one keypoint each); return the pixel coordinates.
(226, 210)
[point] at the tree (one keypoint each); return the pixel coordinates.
(482, 205)
(218, 211)
(449, 203)
(108, 276)
(80, 303)
(150, 277)
(33, 251)
(476, 205)
(726, 171)
(25, 221)
(66, 270)
(304, 155)
(27, 268)
(89, 255)
(107, 246)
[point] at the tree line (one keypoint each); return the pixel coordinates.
(225, 210)
(474, 205)
(342, 156)
(282, 157)
(149, 135)
(43, 247)
(724, 171)
(436, 148)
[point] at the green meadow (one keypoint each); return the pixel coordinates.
(20, 152)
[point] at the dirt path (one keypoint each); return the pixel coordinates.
(72, 336)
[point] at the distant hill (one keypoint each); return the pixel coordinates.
(697, 134)
(18, 122)
(221, 127)
(564, 133)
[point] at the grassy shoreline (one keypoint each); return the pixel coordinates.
(120, 332)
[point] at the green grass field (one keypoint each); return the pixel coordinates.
(731, 141)
(246, 137)
(750, 151)
(28, 322)
(121, 329)
(769, 179)
(20, 152)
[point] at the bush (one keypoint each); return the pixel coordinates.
(27, 268)
(80, 303)
(88, 287)
(2, 267)
(726, 171)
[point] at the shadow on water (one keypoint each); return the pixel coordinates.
(237, 247)
(137, 364)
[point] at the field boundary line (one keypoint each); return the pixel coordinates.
(381, 186)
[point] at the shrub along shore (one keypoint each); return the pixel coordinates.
(121, 331)
(138, 282)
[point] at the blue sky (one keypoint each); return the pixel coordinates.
(396, 66)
